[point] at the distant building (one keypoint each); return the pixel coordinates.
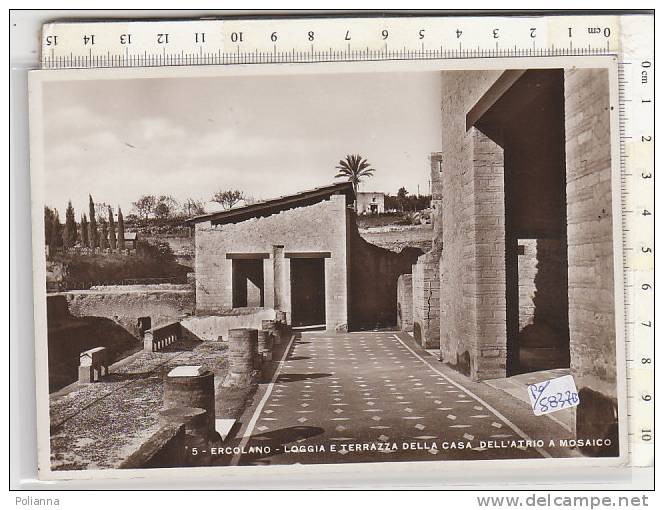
(289, 253)
(370, 202)
(301, 254)
(130, 238)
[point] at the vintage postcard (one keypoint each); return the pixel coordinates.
(360, 265)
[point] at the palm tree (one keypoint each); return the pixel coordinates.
(354, 168)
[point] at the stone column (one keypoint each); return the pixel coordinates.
(272, 328)
(191, 386)
(282, 327)
(265, 340)
(243, 351)
(278, 262)
(490, 353)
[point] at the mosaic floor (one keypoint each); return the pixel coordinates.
(368, 396)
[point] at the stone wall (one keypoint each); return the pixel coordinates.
(590, 239)
(472, 263)
(540, 292)
(426, 299)
(125, 307)
(543, 331)
(527, 274)
(405, 302)
(459, 295)
(321, 227)
(213, 328)
(550, 300)
(374, 274)
(68, 336)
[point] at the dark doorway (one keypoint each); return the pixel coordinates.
(143, 324)
(527, 121)
(248, 284)
(307, 291)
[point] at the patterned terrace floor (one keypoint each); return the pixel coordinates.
(373, 398)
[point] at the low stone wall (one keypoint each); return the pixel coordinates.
(160, 337)
(216, 327)
(166, 448)
(138, 287)
(126, 305)
(69, 336)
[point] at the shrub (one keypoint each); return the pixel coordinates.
(409, 218)
(159, 251)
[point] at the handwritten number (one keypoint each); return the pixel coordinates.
(556, 401)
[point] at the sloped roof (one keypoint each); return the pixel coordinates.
(276, 205)
(370, 193)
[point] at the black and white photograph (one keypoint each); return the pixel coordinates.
(384, 263)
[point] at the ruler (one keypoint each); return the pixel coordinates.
(123, 44)
(637, 200)
(259, 41)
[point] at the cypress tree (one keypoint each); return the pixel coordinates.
(56, 231)
(103, 238)
(69, 234)
(85, 240)
(48, 225)
(111, 229)
(121, 233)
(93, 235)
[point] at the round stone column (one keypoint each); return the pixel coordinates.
(243, 350)
(191, 386)
(265, 340)
(281, 329)
(272, 328)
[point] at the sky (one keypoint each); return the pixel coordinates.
(265, 135)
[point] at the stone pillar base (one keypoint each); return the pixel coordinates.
(86, 375)
(197, 436)
(243, 380)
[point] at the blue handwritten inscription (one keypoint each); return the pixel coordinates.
(553, 395)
